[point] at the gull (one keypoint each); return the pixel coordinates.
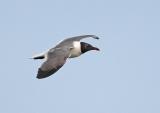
(56, 57)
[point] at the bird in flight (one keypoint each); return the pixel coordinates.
(56, 57)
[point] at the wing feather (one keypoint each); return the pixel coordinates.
(55, 60)
(69, 41)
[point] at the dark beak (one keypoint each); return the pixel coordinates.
(95, 48)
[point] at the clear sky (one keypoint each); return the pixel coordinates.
(122, 78)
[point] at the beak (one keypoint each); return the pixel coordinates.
(95, 48)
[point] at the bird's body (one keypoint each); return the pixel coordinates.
(56, 57)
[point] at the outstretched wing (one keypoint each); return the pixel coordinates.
(55, 60)
(78, 38)
(69, 41)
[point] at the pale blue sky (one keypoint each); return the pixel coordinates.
(122, 78)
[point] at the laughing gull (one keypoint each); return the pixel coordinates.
(56, 57)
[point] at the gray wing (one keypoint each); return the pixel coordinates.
(69, 41)
(78, 38)
(55, 60)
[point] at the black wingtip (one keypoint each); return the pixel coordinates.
(95, 37)
(39, 57)
(42, 74)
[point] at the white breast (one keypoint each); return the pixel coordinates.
(76, 51)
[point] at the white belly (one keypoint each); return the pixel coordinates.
(76, 51)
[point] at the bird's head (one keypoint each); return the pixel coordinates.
(87, 47)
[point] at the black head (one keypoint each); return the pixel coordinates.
(87, 47)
